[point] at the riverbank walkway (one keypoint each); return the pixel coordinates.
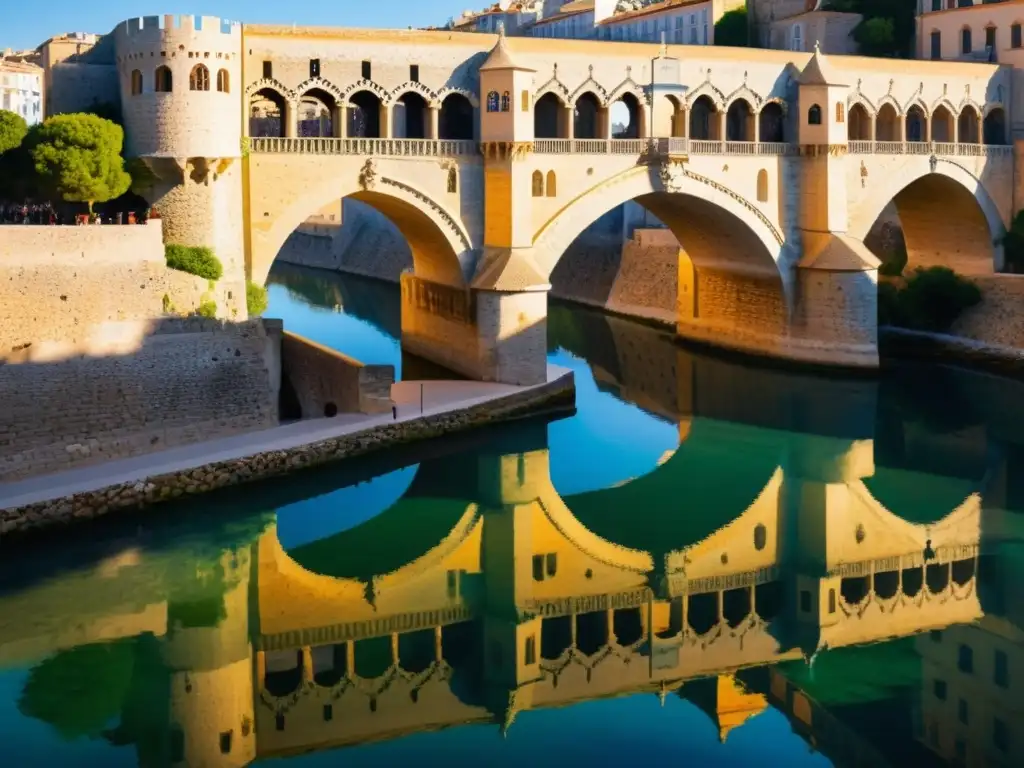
(438, 397)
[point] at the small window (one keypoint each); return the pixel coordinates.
(279, 721)
(805, 601)
(526, 101)
(314, 67)
(538, 567)
(1000, 736)
(328, 712)
(538, 184)
(831, 601)
(965, 40)
(268, 70)
(136, 82)
(223, 81)
(965, 659)
(1015, 36)
(530, 651)
(936, 39)
(225, 743)
(492, 101)
(163, 82)
(506, 102)
(760, 532)
(990, 38)
(551, 565)
(552, 190)
(414, 73)
(453, 583)
(367, 71)
(814, 115)
(840, 113)
(1001, 671)
(961, 711)
(939, 689)
(199, 78)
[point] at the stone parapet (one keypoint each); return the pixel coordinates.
(327, 382)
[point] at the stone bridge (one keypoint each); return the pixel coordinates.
(492, 155)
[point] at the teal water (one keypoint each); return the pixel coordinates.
(709, 562)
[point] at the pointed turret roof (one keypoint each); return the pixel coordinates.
(818, 71)
(500, 56)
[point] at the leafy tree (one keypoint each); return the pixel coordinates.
(78, 157)
(1013, 244)
(732, 29)
(255, 299)
(18, 180)
(194, 259)
(876, 37)
(13, 129)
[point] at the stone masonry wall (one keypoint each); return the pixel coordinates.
(321, 377)
(151, 385)
(57, 284)
(997, 319)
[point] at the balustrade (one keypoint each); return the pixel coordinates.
(359, 146)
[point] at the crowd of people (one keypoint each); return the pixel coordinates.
(44, 213)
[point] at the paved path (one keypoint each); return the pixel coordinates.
(438, 397)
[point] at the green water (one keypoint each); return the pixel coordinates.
(680, 571)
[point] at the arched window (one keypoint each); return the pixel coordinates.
(538, 184)
(840, 112)
(760, 532)
(223, 81)
(199, 78)
(163, 82)
(506, 102)
(526, 101)
(552, 184)
(814, 115)
(492, 101)
(762, 186)
(136, 82)
(965, 40)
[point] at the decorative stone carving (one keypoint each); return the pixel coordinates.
(822, 150)
(441, 213)
(672, 175)
(505, 150)
(368, 175)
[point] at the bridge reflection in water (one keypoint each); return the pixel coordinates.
(805, 548)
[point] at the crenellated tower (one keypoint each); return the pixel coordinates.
(180, 80)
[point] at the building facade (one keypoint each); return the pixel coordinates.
(970, 31)
(21, 89)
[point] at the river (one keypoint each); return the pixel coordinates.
(709, 562)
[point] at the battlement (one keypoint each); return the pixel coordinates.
(153, 27)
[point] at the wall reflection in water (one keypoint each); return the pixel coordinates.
(843, 552)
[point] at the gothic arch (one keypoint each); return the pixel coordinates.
(991, 106)
(743, 92)
(779, 101)
(321, 84)
(706, 89)
(468, 95)
(592, 86)
(365, 85)
(967, 101)
(555, 86)
(942, 101)
(917, 101)
(397, 93)
(629, 86)
(270, 84)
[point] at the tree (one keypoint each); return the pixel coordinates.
(732, 28)
(13, 129)
(876, 37)
(78, 157)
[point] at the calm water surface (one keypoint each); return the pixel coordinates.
(708, 563)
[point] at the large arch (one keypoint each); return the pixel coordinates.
(441, 247)
(947, 215)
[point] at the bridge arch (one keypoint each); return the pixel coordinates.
(946, 212)
(441, 247)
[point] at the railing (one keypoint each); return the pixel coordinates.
(947, 148)
(391, 147)
(662, 146)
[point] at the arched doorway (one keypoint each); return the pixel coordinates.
(409, 117)
(967, 126)
(317, 109)
(364, 115)
(627, 118)
(267, 112)
(739, 121)
(943, 125)
(549, 118)
(858, 124)
(587, 117)
(887, 124)
(456, 121)
(917, 124)
(704, 119)
(995, 126)
(772, 121)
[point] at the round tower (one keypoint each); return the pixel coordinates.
(180, 79)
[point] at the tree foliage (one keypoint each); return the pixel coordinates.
(194, 259)
(78, 157)
(13, 130)
(255, 299)
(732, 29)
(931, 300)
(876, 37)
(888, 26)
